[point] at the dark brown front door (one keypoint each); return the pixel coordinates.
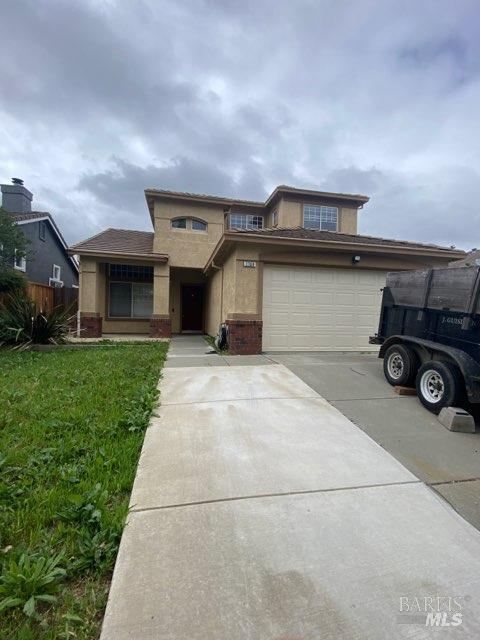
(192, 307)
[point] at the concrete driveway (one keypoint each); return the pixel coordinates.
(354, 383)
(260, 512)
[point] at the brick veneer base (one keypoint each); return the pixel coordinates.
(90, 326)
(244, 337)
(160, 327)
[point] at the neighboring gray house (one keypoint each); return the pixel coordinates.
(47, 260)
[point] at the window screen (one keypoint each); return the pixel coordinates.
(245, 221)
(199, 225)
(142, 300)
(120, 299)
(320, 217)
(131, 299)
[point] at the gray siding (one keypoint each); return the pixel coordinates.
(43, 254)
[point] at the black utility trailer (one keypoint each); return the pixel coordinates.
(429, 330)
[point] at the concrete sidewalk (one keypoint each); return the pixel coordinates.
(260, 512)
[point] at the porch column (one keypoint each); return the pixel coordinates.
(244, 319)
(91, 281)
(160, 323)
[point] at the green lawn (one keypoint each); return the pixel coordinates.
(71, 427)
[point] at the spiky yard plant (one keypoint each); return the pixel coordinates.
(29, 580)
(23, 324)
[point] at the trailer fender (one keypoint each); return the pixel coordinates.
(468, 366)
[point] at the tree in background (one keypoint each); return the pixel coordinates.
(13, 244)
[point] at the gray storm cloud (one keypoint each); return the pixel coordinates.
(99, 100)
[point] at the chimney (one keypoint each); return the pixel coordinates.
(16, 198)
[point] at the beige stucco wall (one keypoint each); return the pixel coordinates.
(348, 220)
(91, 286)
(185, 247)
(213, 301)
(290, 214)
(161, 289)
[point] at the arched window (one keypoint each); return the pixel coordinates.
(198, 225)
(179, 223)
(193, 224)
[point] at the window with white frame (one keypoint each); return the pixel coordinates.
(320, 217)
(179, 223)
(245, 221)
(274, 218)
(131, 299)
(195, 224)
(56, 272)
(198, 225)
(20, 262)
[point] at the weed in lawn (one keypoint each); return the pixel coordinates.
(30, 580)
(86, 509)
(137, 415)
(96, 552)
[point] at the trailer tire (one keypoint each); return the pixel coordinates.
(438, 385)
(400, 365)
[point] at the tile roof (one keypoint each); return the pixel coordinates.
(333, 236)
(121, 241)
(472, 259)
(200, 196)
(34, 215)
(281, 187)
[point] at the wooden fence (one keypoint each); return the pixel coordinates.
(42, 295)
(47, 298)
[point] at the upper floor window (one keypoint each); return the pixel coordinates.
(274, 218)
(245, 221)
(42, 231)
(56, 272)
(199, 225)
(20, 262)
(320, 217)
(189, 223)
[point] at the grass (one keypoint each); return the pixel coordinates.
(71, 426)
(211, 341)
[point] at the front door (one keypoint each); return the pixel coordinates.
(192, 307)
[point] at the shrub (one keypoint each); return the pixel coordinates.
(12, 281)
(23, 324)
(30, 580)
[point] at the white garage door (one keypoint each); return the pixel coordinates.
(320, 309)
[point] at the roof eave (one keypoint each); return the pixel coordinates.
(349, 197)
(95, 253)
(332, 244)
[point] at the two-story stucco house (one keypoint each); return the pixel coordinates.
(290, 273)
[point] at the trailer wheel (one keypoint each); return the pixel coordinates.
(438, 385)
(400, 365)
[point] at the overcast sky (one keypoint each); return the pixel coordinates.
(101, 99)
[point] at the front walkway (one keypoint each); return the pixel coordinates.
(260, 512)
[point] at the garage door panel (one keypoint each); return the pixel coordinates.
(319, 308)
(322, 298)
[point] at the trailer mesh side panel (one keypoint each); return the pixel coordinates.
(448, 288)
(407, 287)
(452, 288)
